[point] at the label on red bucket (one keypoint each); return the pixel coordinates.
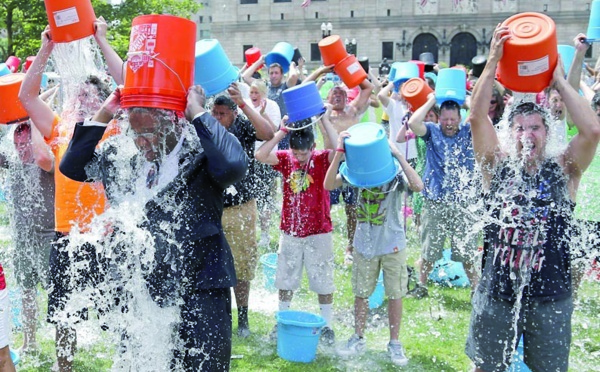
(353, 68)
(66, 17)
(141, 45)
(535, 67)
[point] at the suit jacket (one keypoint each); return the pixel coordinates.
(205, 171)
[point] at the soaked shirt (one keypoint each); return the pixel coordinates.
(305, 209)
(526, 247)
(243, 191)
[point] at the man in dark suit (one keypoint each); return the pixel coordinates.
(183, 171)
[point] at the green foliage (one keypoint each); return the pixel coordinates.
(22, 22)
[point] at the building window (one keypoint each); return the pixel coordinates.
(315, 52)
(245, 48)
(200, 19)
(316, 15)
(387, 50)
(282, 1)
(588, 52)
(248, 2)
(389, 12)
(282, 16)
(248, 18)
(352, 14)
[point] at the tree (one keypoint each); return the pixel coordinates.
(22, 22)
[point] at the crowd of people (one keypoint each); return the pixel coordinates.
(503, 169)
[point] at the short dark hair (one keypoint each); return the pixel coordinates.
(277, 65)
(302, 139)
(526, 109)
(225, 101)
(103, 88)
(450, 105)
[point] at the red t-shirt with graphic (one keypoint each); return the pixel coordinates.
(2, 281)
(305, 209)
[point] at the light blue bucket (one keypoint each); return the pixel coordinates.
(403, 72)
(212, 69)
(593, 31)
(449, 273)
(517, 363)
(369, 161)
(269, 265)
(567, 53)
(14, 356)
(16, 306)
(303, 101)
(378, 295)
(282, 53)
(451, 85)
(393, 68)
(298, 335)
(4, 70)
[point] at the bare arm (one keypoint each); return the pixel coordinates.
(42, 154)
(384, 94)
(416, 121)
(247, 75)
(116, 68)
(326, 120)
(292, 75)
(317, 73)
(361, 102)
(265, 153)
(332, 179)
(264, 130)
(414, 180)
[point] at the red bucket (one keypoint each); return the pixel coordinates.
(28, 61)
(70, 20)
(421, 66)
(13, 63)
(11, 110)
(252, 55)
(350, 71)
(160, 65)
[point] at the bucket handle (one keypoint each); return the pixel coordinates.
(307, 125)
(155, 57)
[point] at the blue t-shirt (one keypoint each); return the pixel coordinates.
(449, 162)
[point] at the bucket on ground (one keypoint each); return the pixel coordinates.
(451, 85)
(593, 30)
(160, 65)
(303, 101)
(448, 272)
(530, 55)
(16, 307)
(252, 55)
(350, 71)
(282, 53)
(378, 295)
(70, 20)
(14, 356)
(269, 266)
(517, 363)
(298, 335)
(11, 110)
(415, 92)
(13, 63)
(213, 69)
(332, 50)
(369, 161)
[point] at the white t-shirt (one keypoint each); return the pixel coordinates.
(272, 111)
(396, 111)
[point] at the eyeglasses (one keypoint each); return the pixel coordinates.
(493, 102)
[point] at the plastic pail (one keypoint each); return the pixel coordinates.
(567, 53)
(478, 63)
(298, 335)
(517, 363)
(252, 55)
(214, 71)
(14, 356)
(160, 67)
(451, 85)
(11, 110)
(303, 101)
(28, 61)
(369, 161)
(297, 56)
(530, 55)
(404, 71)
(378, 295)
(415, 92)
(350, 71)
(448, 272)
(269, 265)
(421, 66)
(16, 307)
(70, 19)
(13, 63)
(281, 53)
(332, 50)
(393, 69)
(364, 63)
(593, 30)
(4, 69)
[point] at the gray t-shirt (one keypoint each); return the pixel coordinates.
(380, 229)
(275, 94)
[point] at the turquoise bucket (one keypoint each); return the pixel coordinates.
(269, 265)
(212, 69)
(4, 70)
(369, 161)
(16, 307)
(567, 52)
(14, 356)
(298, 335)
(404, 71)
(378, 295)
(593, 30)
(517, 363)
(448, 272)
(451, 85)
(303, 101)
(393, 69)
(281, 53)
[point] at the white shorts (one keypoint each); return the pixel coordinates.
(314, 252)
(4, 318)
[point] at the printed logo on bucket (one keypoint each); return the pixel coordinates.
(141, 46)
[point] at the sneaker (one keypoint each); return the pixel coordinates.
(419, 291)
(354, 346)
(243, 332)
(327, 336)
(396, 352)
(273, 334)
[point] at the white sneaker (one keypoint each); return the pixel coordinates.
(354, 346)
(396, 352)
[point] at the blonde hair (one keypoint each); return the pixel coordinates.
(260, 86)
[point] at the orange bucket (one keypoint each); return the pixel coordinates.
(332, 50)
(530, 55)
(11, 110)
(160, 64)
(70, 20)
(415, 92)
(350, 71)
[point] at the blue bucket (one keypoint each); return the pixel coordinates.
(281, 53)
(212, 69)
(14, 356)
(369, 161)
(298, 335)
(567, 53)
(517, 363)
(16, 307)
(593, 30)
(376, 298)
(404, 71)
(449, 273)
(451, 85)
(4, 70)
(393, 69)
(303, 101)
(269, 265)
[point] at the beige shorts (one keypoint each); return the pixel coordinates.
(365, 272)
(314, 252)
(239, 226)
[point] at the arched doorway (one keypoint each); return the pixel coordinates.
(463, 47)
(425, 43)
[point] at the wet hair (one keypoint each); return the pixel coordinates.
(225, 101)
(526, 109)
(302, 139)
(450, 106)
(103, 88)
(276, 65)
(165, 118)
(260, 86)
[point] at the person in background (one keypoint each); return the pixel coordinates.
(6, 363)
